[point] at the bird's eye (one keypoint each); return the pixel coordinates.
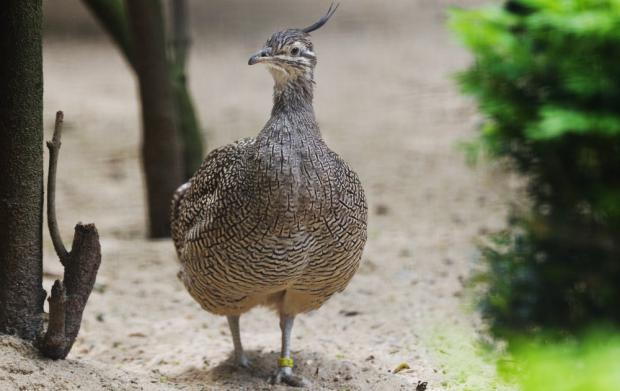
(295, 51)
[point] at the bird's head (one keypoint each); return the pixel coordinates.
(289, 54)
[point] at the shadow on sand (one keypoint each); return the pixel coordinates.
(322, 373)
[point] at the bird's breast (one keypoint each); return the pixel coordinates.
(292, 180)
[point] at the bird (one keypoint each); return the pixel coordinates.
(278, 219)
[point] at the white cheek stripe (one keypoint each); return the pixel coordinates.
(289, 58)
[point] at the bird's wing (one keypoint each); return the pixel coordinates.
(176, 226)
(192, 201)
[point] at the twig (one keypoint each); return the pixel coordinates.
(52, 223)
(68, 297)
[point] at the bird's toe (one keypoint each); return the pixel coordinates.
(286, 376)
(242, 361)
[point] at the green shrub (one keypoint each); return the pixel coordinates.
(591, 363)
(546, 75)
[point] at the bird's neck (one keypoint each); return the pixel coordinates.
(288, 142)
(292, 116)
(293, 95)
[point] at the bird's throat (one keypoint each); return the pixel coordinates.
(292, 94)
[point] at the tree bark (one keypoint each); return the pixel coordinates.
(161, 153)
(21, 168)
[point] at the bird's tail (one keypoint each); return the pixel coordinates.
(176, 223)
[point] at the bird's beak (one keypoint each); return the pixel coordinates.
(260, 56)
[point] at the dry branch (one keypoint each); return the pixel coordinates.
(68, 297)
(55, 341)
(54, 148)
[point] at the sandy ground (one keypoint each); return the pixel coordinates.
(386, 103)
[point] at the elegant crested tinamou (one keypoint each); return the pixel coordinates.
(278, 219)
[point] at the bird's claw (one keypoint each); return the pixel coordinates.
(285, 375)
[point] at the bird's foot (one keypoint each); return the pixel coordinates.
(285, 375)
(241, 360)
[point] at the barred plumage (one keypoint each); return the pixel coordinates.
(278, 219)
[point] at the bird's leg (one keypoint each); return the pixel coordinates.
(284, 373)
(240, 357)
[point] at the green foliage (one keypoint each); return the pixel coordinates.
(588, 362)
(547, 79)
(592, 363)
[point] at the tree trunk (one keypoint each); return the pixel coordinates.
(112, 16)
(191, 137)
(161, 157)
(180, 32)
(21, 168)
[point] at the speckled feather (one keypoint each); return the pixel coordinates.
(279, 219)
